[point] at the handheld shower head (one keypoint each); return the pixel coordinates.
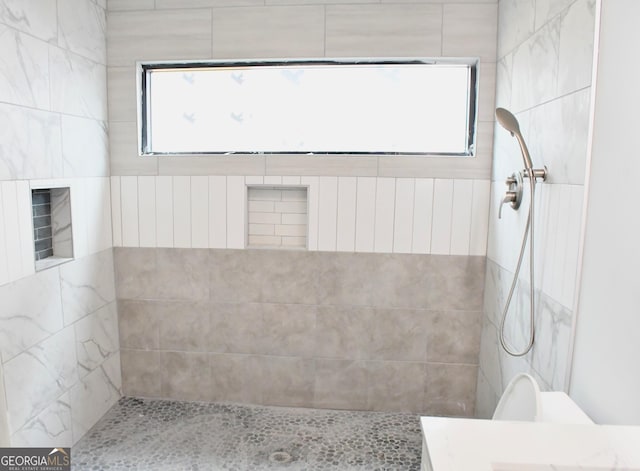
(510, 123)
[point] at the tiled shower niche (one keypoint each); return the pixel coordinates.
(52, 230)
(277, 217)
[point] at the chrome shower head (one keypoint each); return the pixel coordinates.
(510, 123)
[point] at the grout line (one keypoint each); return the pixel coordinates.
(535, 31)
(137, 180)
(433, 204)
(473, 194)
(226, 212)
(453, 198)
(395, 202)
(373, 229)
(324, 40)
(413, 214)
(335, 249)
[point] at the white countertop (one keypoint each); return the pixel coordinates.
(487, 445)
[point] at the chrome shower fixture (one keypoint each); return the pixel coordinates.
(508, 121)
(513, 196)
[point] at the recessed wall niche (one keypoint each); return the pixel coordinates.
(52, 227)
(277, 217)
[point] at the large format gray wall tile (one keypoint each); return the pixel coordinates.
(293, 328)
(185, 376)
(158, 35)
(262, 32)
(450, 389)
(141, 373)
(384, 30)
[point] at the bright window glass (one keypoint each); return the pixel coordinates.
(396, 108)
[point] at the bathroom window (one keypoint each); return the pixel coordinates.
(308, 107)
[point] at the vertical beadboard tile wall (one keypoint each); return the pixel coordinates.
(346, 214)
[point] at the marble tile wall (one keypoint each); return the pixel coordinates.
(166, 30)
(60, 350)
(297, 328)
(58, 327)
(545, 50)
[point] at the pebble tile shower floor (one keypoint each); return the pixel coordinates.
(140, 434)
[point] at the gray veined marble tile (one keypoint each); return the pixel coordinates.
(96, 338)
(82, 28)
(117, 5)
(61, 222)
(577, 30)
(91, 398)
(503, 81)
(85, 148)
(206, 3)
(486, 398)
(516, 19)
(78, 85)
(535, 68)
(558, 137)
(490, 357)
(87, 284)
(51, 428)
(26, 319)
(547, 10)
(35, 17)
(36, 377)
(551, 351)
(30, 144)
(24, 69)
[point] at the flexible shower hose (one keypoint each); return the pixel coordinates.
(528, 231)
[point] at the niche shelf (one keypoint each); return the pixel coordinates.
(277, 217)
(52, 227)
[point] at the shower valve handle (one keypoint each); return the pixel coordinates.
(513, 196)
(509, 197)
